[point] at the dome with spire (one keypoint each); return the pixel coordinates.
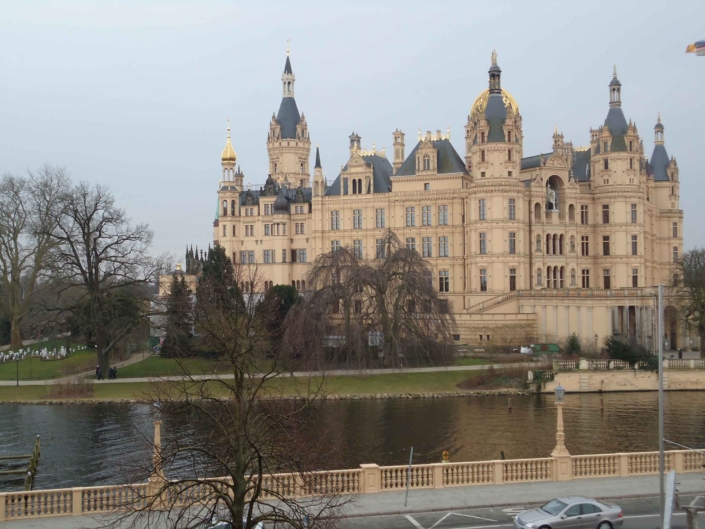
(659, 125)
(229, 154)
(281, 204)
(502, 97)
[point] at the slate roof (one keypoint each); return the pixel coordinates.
(381, 172)
(288, 117)
(318, 159)
(496, 115)
(281, 204)
(287, 66)
(288, 194)
(449, 161)
(617, 124)
(659, 163)
(531, 162)
(581, 165)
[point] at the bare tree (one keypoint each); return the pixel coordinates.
(99, 254)
(391, 299)
(257, 455)
(689, 289)
(27, 216)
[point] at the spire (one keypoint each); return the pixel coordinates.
(288, 78)
(495, 75)
(615, 90)
(228, 156)
(658, 131)
(318, 159)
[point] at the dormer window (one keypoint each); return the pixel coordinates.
(630, 146)
(482, 137)
(604, 146)
(509, 136)
(426, 162)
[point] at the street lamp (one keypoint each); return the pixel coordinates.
(560, 449)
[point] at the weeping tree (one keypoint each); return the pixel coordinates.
(689, 290)
(386, 307)
(253, 463)
(97, 252)
(28, 207)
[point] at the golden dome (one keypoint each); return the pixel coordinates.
(478, 107)
(228, 153)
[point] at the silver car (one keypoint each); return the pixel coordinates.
(572, 512)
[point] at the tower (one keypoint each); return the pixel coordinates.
(354, 142)
(398, 140)
(288, 141)
(319, 184)
(615, 90)
(228, 159)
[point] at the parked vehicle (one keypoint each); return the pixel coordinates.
(526, 350)
(573, 512)
(220, 523)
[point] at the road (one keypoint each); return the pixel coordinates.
(639, 513)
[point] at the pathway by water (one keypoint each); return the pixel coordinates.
(87, 444)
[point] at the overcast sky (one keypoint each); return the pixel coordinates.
(136, 94)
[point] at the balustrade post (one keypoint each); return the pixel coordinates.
(3, 506)
(498, 472)
(76, 501)
(623, 464)
(678, 461)
(438, 482)
(692, 364)
(371, 478)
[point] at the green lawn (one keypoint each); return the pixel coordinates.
(464, 361)
(401, 383)
(155, 366)
(36, 369)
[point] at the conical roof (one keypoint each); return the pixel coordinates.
(281, 204)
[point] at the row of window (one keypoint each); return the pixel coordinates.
(509, 156)
(483, 137)
(251, 211)
(482, 209)
(380, 218)
(555, 277)
(269, 256)
(512, 243)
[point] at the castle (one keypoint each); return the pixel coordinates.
(525, 248)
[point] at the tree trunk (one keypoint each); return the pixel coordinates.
(101, 344)
(15, 334)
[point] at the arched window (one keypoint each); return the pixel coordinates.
(232, 208)
(302, 168)
(303, 284)
(225, 208)
(538, 277)
(354, 187)
(537, 212)
(548, 277)
(562, 274)
(359, 185)
(426, 162)
(538, 243)
(225, 230)
(298, 285)
(560, 245)
(572, 243)
(555, 244)
(548, 244)
(571, 213)
(573, 278)
(293, 283)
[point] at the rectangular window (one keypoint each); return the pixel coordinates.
(411, 216)
(334, 220)
(509, 174)
(585, 245)
(294, 256)
(635, 241)
(604, 146)
(357, 248)
(334, 246)
(482, 174)
(605, 245)
(380, 249)
(427, 187)
(267, 229)
(303, 228)
(635, 277)
(584, 219)
(357, 219)
(586, 278)
(298, 228)
(410, 243)
(442, 215)
(251, 257)
(607, 279)
(358, 306)
(234, 230)
(631, 163)
(243, 257)
(268, 256)
(512, 209)
(482, 212)
(483, 243)
(509, 136)
(443, 281)
(512, 242)
(483, 280)
(426, 246)
(675, 230)
(225, 230)
(443, 247)
(426, 216)
(509, 155)
(266, 209)
(482, 156)
(512, 279)
(379, 214)
(302, 256)
(607, 164)
(675, 254)
(633, 213)
(283, 256)
(605, 213)
(482, 137)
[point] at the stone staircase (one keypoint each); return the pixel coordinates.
(490, 303)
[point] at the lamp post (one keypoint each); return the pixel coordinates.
(596, 339)
(661, 462)
(560, 449)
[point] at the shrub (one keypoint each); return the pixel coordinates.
(573, 345)
(632, 353)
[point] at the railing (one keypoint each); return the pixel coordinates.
(367, 479)
(606, 365)
(483, 305)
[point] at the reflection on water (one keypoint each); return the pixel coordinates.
(88, 444)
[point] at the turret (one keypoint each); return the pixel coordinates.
(354, 143)
(228, 159)
(319, 184)
(398, 141)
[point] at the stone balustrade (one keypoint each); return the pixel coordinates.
(607, 365)
(369, 478)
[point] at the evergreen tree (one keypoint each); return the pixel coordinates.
(178, 341)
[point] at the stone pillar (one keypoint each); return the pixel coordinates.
(563, 469)
(678, 462)
(371, 478)
(3, 502)
(498, 472)
(76, 501)
(438, 475)
(623, 464)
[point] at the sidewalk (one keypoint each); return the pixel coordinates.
(332, 373)
(455, 499)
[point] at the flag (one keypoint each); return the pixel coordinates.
(696, 47)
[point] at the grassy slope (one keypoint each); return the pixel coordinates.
(44, 369)
(155, 366)
(348, 385)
